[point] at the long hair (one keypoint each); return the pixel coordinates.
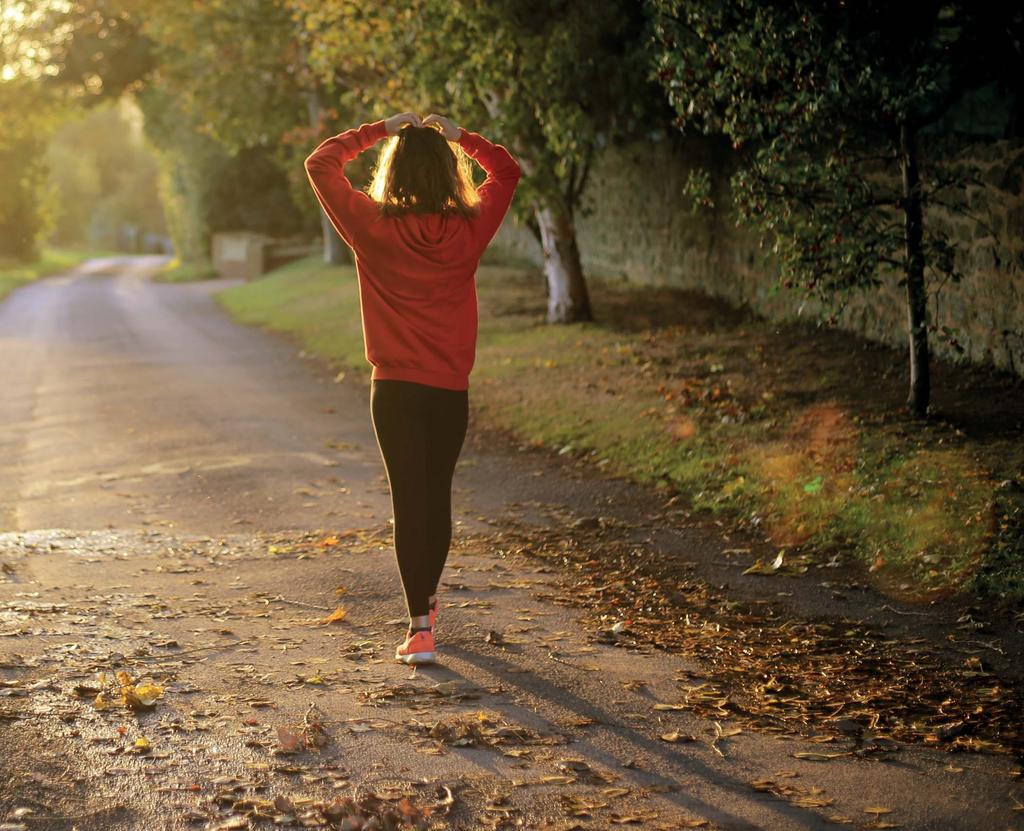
(419, 170)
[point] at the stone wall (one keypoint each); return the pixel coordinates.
(640, 229)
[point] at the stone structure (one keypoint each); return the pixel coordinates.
(640, 229)
(247, 255)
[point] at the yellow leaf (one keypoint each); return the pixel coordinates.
(149, 693)
(142, 744)
(132, 701)
(335, 616)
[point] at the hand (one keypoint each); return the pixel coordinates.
(393, 124)
(448, 128)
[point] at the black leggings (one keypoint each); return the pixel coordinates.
(420, 430)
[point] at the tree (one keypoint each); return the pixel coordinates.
(105, 175)
(190, 163)
(81, 55)
(256, 114)
(26, 204)
(824, 103)
(553, 82)
(31, 108)
(207, 124)
(349, 52)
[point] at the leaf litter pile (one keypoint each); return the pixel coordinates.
(827, 679)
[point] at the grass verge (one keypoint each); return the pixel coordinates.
(797, 434)
(175, 271)
(51, 261)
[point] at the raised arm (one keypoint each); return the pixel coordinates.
(503, 173)
(349, 210)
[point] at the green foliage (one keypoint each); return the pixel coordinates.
(234, 68)
(812, 97)
(92, 51)
(251, 191)
(259, 112)
(26, 202)
(224, 158)
(189, 163)
(550, 82)
(105, 175)
(205, 188)
(55, 58)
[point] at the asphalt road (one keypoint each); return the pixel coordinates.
(170, 486)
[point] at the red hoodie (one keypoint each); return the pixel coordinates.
(416, 272)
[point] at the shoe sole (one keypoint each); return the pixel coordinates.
(417, 658)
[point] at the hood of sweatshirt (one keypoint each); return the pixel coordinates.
(437, 238)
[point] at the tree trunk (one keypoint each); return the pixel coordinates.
(568, 300)
(917, 299)
(335, 250)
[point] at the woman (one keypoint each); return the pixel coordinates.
(417, 238)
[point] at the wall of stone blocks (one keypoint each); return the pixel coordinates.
(641, 229)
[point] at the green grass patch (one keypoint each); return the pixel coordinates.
(315, 302)
(750, 421)
(175, 271)
(51, 261)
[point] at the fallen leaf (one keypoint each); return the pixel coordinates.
(817, 757)
(814, 485)
(760, 567)
(289, 740)
(335, 616)
(676, 736)
(148, 693)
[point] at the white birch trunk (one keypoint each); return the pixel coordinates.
(567, 291)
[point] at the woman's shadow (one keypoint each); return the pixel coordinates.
(774, 811)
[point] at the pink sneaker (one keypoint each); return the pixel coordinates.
(418, 648)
